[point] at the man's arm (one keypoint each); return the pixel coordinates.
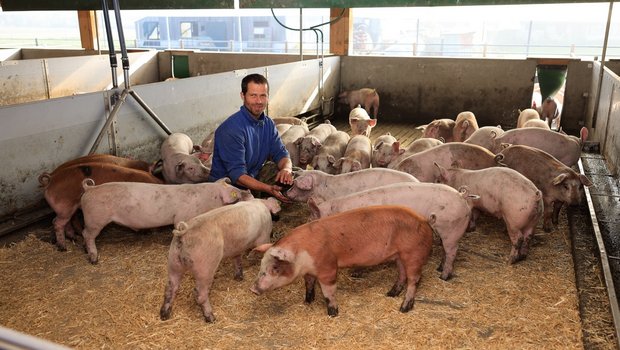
(256, 185)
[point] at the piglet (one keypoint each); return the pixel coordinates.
(417, 146)
(465, 124)
(441, 129)
(310, 143)
(485, 137)
(382, 151)
(333, 148)
(527, 115)
(360, 122)
(200, 244)
(362, 237)
(366, 97)
(356, 156)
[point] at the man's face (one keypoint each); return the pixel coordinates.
(256, 98)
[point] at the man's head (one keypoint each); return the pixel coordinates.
(255, 93)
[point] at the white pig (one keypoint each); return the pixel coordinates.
(309, 144)
(417, 146)
(321, 187)
(504, 193)
(179, 166)
(453, 154)
(142, 205)
(465, 124)
(360, 122)
(288, 139)
(485, 136)
(525, 115)
(200, 244)
(382, 151)
(356, 156)
(333, 148)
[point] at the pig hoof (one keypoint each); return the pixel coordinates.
(357, 273)
(164, 314)
(61, 248)
(332, 311)
(547, 229)
(238, 277)
(94, 260)
(395, 291)
(407, 306)
(209, 318)
(309, 297)
(445, 277)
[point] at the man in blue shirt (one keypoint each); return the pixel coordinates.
(244, 141)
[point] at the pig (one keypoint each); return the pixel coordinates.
(356, 156)
(454, 154)
(565, 148)
(44, 178)
(362, 237)
(321, 187)
(417, 146)
(441, 129)
(178, 164)
(449, 208)
(63, 191)
(485, 136)
(550, 111)
(290, 120)
(525, 115)
(360, 122)
(508, 195)
(200, 244)
(310, 143)
(142, 205)
(333, 148)
(282, 128)
(204, 151)
(465, 124)
(366, 97)
(382, 151)
(288, 139)
(536, 123)
(559, 183)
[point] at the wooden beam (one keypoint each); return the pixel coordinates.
(88, 29)
(339, 31)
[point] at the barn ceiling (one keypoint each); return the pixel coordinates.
(45, 5)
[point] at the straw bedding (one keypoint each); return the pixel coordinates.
(489, 304)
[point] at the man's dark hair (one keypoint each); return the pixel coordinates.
(255, 78)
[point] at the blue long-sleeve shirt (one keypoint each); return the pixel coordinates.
(243, 144)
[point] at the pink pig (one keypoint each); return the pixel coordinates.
(361, 237)
(506, 194)
(141, 205)
(333, 148)
(565, 148)
(453, 154)
(465, 124)
(178, 164)
(200, 244)
(356, 156)
(485, 137)
(559, 183)
(310, 143)
(382, 151)
(441, 129)
(417, 146)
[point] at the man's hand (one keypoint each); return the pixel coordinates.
(276, 191)
(285, 176)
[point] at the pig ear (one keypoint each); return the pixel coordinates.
(298, 141)
(396, 147)
(338, 163)
(356, 165)
(314, 162)
(263, 247)
(331, 159)
(558, 179)
(584, 180)
(282, 254)
(224, 180)
(179, 168)
(378, 145)
(315, 213)
(583, 133)
(372, 123)
(304, 183)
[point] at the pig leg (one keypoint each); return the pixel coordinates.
(238, 268)
(204, 272)
(516, 237)
(175, 274)
(414, 271)
(399, 285)
(327, 281)
(547, 214)
(475, 214)
(310, 282)
(527, 235)
(89, 235)
(60, 222)
(448, 260)
(557, 205)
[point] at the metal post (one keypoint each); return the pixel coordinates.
(301, 35)
(108, 31)
(601, 73)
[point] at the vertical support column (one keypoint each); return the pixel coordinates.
(88, 29)
(339, 32)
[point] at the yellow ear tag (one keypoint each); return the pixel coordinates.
(234, 194)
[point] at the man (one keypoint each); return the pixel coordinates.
(247, 139)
